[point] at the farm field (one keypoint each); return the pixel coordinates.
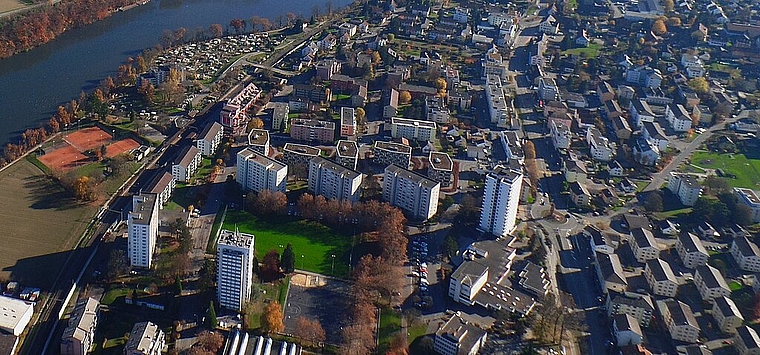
(747, 171)
(314, 241)
(10, 5)
(40, 221)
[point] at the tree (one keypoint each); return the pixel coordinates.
(310, 330)
(668, 5)
(654, 202)
(271, 319)
(659, 28)
(405, 97)
(530, 150)
(360, 115)
(211, 342)
(440, 84)
(216, 30)
(674, 22)
(743, 215)
(288, 259)
(256, 123)
(270, 268)
(699, 85)
(211, 320)
(469, 210)
(103, 151)
(716, 185)
(268, 203)
(118, 264)
(450, 246)
(178, 285)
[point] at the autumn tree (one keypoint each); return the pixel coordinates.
(268, 203)
(211, 342)
(84, 189)
(668, 5)
(699, 85)
(270, 268)
(271, 319)
(405, 97)
(674, 22)
(659, 28)
(238, 25)
(360, 115)
(530, 150)
(216, 30)
(255, 123)
(288, 259)
(440, 84)
(118, 264)
(310, 330)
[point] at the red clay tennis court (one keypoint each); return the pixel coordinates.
(121, 146)
(88, 138)
(64, 159)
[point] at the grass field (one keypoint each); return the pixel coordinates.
(591, 51)
(415, 332)
(40, 223)
(390, 324)
(10, 5)
(747, 171)
(313, 243)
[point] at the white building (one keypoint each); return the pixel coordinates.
(145, 338)
(561, 135)
(209, 140)
(186, 163)
(494, 64)
(693, 66)
(258, 140)
(600, 146)
(459, 337)
(411, 192)
(497, 102)
(256, 172)
(678, 117)
(391, 153)
(691, 251)
(679, 320)
(653, 133)
(660, 277)
(500, 200)
(413, 129)
(333, 181)
(234, 258)
(280, 111)
(686, 187)
(142, 227)
(746, 254)
(644, 245)
(15, 316)
(747, 341)
(79, 335)
(751, 199)
(710, 283)
(727, 315)
(547, 89)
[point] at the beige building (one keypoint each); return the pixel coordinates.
(79, 335)
(661, 278)
(710, 283)
(312, 130)
(691, 251)
(727, 315)
(746, 254)
(187, 163)
(746, 341)
(145, 338)
(209, 140)
(411, 192)
(459, 337)
(297, 157)
(644, 245)
(333, 181)
(679, 320)
(636, 305)
(413, 129)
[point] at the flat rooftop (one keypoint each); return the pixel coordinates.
(394, 147)
(441, 161)
(411, 176)
(301, 149)
(411, 122)
(347, 149)
(258, 137)
(236, 239)
(12, 312)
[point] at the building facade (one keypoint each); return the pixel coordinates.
(310, 130)
(691, 251)
(411, 192)
(500, 201)
(727, 315)
(210, 138)
(187, 163)
(333, 181)
(679, 320)
(413, 129)
(440, 168)
(751, 199)
(686, 187)
(644, 245)
(459, 337)
(256, 172)
(79, 335)
(746, 254)
(142, 227)
(660, 277)
(347, 154)
(145, 338)
(234, 257)
(390, 153)
(710, 283)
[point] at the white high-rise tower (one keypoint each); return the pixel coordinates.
(500, 201)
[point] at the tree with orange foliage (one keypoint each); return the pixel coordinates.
(659, 28)
(271, 319)
(310, 330)
(405, 97)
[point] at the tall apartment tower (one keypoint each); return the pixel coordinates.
(142, 230)
(234, 255)
(257, 172)
(411, 192)
(333, 181)
(500, 200)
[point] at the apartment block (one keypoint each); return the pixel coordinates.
(142, 227)
(691, 251)
(440, 168)
(644, 245)
(498, 109)
(187, 163)
(599, 145)
(710, 283)
(258, 141)
(626, 330)
(679, 320)
(234, 116)
(678, 117)
(459, 337)
(411, 192)
(746, 341)
(751, 199)
(347, 154)
(297, 156)
(501, 198)
(79, 335)
(390, 153)
(333, 181)
(280, 111)
(413, 129)
(256, 172)
(686, 187)
(310, 130)
(234, 257)
(609, 272)
(746, 254)
(145, 338)
(636, 305)
(727, 315)
(210, 138)
(660, 277)
(347, 122)
(162, 185)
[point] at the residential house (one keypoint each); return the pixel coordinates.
(678, 117)
(661, 278)
(693, 65)
(599, 243)
(705, 230)
(644, 76)
(599, 145)
(626, 330)
(621, 128)
(547, 89)
(645, 153)
(727, 315)
(390, 100)
(390, 153)
(610, 273)
(574, 169)
(325, 69)
(653, 133)
(751, 199)
(79, 335)
(459, 337)
(636, 305)
(494, 64)
(210, 138)
(669, 228)
(583, 39)
(579, 194)
(686, 187)
(710, 283)
(644, 245)
(640, 112)
(746, 254)
(691, 251)
(561, 135)
(616, 170)
(612, 109)
(512, 145)
(145, 338)
(605, 91)
(234, 114)
(549, 25)
(679, 320)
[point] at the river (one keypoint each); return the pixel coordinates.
(33, 84)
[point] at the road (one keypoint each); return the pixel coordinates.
(661, 177)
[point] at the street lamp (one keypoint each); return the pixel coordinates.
(332, 268)
(301, 261)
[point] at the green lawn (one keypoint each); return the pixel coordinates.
(734, 286)
(672, 213)
(390, 324)
(591, 51)
(747, 171)
(416, 332)
(312, 243)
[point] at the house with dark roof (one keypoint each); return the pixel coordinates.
(579, 194)
(746, 254)
(661, 278)
(691, 251)
(679, 320)
(710, 283)
(610, 272)
(644, 245)
(636, 305)
(459, 337)
(747, 341)
(727, 315)
(187, 163)
(626, 330)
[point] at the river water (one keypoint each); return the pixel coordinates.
(33, 84)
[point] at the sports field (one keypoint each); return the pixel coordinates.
(315, 242)
(747, 171)
(40, 223)
(68, 153)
